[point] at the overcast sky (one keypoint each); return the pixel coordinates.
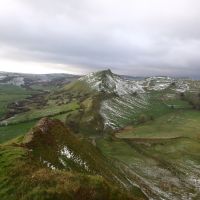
(134, 37)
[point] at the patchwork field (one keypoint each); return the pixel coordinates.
(9, 94)
(37, 114)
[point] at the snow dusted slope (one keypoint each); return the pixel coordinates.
(157, 83)
(117, 111)
(128, 97)
(162, 82)
(18, 79)
(110, 83)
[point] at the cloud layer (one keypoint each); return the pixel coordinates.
(137, 37)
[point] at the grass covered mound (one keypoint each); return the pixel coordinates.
(51, 163)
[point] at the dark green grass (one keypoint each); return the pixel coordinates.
(12, 131)
(11, 93)
(157, 106)
(24, 176)
(158, 163)
(118, 149)
(22, 179)
(179, 123)
(46, 111)
(179, 149)
(42, 87)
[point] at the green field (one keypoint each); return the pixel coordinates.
(180, 123)
(23, 123)
(42, 87)
(9, 94)
(39, 113)
(162, 149)
(151, 164)
(14, 130)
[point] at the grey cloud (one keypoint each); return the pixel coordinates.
(139, 37)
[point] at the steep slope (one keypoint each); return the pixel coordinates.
(120, 98)
(53, 144)
(51, 163)
(106, 81)
(123, 101)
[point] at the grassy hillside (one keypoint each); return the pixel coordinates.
(56, 104)
(14, 130)
(167, 169)
(26, 180)
(179, 123)
(161, 155)
(37, 167)
(50, 110)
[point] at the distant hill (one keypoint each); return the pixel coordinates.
(20, 79)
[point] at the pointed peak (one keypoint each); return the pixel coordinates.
(108, 82)
(105, 72)
(99, 75)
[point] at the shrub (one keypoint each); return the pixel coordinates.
(142, 119)
(152, 117)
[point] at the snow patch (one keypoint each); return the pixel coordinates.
(118, 109)
(18, 81)
(111, 83)
(49, 165)
(70, 155)
(2, 77)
